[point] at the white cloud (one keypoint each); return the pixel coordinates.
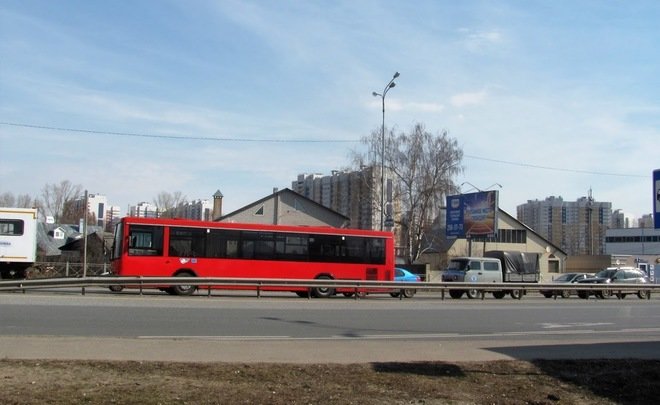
(467, 99)
(479, 41)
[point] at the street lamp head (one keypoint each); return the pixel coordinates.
(373, 93)
(396, 74)
(392, 84)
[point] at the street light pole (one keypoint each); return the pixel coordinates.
(382, 148)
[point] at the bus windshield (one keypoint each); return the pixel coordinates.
(116, 242)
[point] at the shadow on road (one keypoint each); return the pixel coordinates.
(618, 350)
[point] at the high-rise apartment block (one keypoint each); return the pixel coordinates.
(97, 205)
(198, 210)
(646, 221)
(578, 227)
(144, 210)
(622, 220)
(355, 194)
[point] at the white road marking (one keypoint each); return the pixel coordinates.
(421, 336)
(573, 325)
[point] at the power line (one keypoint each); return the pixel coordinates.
(559, 169)
(180, 137)
(256, 140)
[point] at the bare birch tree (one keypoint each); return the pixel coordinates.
(423, 167)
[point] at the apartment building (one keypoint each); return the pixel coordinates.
(198, 210)
(355, 194)
(97, 205)
(577, 227)
(144, 210)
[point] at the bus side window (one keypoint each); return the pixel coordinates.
(232, 248)
(145, 240)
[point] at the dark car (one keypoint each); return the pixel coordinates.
(614, 275)
(564, 278)
(405, 276)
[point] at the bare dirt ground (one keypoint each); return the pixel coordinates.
(498, 382)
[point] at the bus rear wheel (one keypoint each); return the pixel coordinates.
(456, 294)
(184, 289)
(323, 292)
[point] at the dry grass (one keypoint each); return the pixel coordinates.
(499, 382)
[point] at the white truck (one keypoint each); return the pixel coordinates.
(495, 267)
(18, 241)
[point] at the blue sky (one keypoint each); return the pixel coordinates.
(546, 98)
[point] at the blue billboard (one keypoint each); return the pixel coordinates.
(454, 220)
(472, 215)
(656, 198)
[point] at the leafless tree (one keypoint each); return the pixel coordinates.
(423, 167)
(7, 199)
(55, 197)
(170, 204)
(25, 201)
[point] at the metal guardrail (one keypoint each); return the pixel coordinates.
(260, 285)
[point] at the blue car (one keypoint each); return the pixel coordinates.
(405, 276)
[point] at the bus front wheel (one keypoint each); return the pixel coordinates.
(184, 289)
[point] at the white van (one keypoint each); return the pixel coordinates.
(18, 241)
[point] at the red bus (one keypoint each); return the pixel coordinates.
(151, 247)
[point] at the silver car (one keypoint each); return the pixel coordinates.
(631, 276)
(565, 278)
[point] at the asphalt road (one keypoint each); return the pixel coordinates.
(284, 328)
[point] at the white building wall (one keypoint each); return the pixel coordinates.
(633, 241)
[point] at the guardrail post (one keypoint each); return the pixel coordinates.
(442, 294)
(209, 291)
(141, 285)
(259, 290)
(66, 270)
